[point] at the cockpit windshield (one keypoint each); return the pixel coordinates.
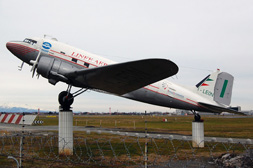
(30, 41)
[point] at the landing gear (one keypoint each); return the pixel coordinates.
(66, 99)
(197, 117)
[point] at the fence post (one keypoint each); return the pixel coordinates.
(146, 143)
(22, 141)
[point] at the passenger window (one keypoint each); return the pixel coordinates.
(86, 64)
(74, 60)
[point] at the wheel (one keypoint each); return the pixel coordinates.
(197, 117)
(65, 99)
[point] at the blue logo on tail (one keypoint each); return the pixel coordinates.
(46, 45)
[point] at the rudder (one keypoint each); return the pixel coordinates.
(223, 88)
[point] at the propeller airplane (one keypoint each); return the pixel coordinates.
(140, 80)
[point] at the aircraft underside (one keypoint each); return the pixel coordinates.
(151, 97)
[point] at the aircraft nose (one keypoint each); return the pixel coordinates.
(20, 50)
(14, 48)
(9, 46)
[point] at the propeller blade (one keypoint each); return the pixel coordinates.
(33, 73)
(35, 64)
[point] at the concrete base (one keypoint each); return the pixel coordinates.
(198, 134)
(66, 132)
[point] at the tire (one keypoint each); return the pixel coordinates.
(64, 100)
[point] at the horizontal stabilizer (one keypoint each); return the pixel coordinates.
(125, 77)
(218, 109)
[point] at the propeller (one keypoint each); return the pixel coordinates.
(35, 63)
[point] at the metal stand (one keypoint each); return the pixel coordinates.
(66, 99)
(198, 134)
(65, 131)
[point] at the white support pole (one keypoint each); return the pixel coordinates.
(198, 134)
(65, 132)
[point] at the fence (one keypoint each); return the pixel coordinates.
(122, 151)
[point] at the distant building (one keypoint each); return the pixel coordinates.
(188, 112)
(183, 112)
(250, 112)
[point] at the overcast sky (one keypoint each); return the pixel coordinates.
(198, 35)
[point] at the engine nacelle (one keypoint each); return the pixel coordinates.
(54, 69)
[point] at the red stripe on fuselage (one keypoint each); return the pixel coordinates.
(154, 86)
(192, 101)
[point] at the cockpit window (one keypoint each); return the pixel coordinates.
(30, 41)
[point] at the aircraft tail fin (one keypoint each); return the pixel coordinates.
(217, 87)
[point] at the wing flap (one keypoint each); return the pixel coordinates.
(218, 109)
(125, 77)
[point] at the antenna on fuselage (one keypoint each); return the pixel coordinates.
(21, 66)
(51, 37)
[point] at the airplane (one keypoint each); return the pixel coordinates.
(140, 80)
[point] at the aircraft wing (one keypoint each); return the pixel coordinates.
(125, 77)
(218, 109)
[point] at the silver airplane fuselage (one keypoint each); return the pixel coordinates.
(60, 58)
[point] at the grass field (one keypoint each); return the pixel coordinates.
(43, 152)
(215, 126)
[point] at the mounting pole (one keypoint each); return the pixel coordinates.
(197, 131)
(65, 131)
(198, 134)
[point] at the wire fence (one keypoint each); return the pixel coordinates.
(122, 151)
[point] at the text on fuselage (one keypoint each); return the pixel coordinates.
(88, 59)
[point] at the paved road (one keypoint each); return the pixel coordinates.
(41, 129)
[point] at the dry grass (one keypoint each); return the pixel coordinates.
(217, 126)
